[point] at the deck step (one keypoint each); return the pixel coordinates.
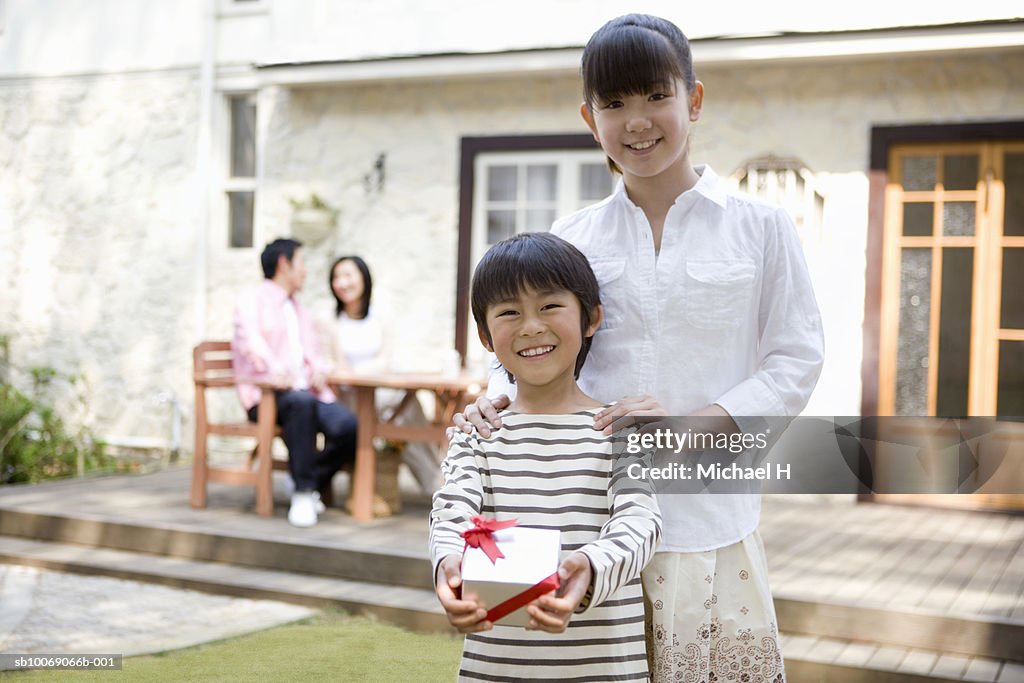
(412, 608)
(396, 565)
(808, 658)
(355, 561)
(903, 626)
(830, 660)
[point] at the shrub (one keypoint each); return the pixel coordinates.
(35, 441)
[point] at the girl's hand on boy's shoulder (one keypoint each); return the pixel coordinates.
(481, 415)
(627, 412)
(466, 615)
(552, 612)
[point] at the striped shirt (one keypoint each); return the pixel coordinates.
(555, 472)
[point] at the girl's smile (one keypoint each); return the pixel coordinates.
(647, 134)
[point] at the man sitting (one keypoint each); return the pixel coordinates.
(275, 342)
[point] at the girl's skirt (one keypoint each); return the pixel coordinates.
(710, 616)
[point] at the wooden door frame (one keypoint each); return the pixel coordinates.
(470, 148)
(883, 138)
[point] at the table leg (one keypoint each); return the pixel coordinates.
(364, 474)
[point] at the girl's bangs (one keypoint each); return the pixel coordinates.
(629, 61)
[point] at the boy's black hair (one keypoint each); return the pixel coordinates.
(364, 270)
(283, 246)
(540, 261)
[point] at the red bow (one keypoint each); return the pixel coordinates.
(482, 535)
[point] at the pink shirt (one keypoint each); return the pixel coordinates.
(261, 349)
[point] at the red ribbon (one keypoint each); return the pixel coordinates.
(482, 536)
(526, 597)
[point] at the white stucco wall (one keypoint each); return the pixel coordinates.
(98, 238)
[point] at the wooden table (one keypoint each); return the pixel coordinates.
(450, 393)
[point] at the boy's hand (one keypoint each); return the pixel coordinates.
(465, 615)
(481, 415)
(627, 412)
(552, 612)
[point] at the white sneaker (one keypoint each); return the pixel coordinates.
(303, 510)
(320, 507)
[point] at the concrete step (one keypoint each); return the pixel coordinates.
(413, 608)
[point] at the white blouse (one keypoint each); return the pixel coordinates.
(724, 314)
(362, 341)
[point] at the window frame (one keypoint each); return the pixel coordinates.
(567, 163)
(230, 183)
(470, 148)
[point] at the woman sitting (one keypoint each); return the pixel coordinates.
(360, 345)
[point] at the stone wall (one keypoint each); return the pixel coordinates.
(98, 231)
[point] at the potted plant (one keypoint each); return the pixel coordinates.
(312, 219)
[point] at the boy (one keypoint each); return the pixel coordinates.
(536, 304)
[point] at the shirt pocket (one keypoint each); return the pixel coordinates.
(718, 293)
(609, 271)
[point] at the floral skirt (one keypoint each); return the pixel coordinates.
(710, 616)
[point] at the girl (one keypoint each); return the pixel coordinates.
(709, 311)
(536, 305)
(360, 344)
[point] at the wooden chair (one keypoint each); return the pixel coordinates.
(212, 369)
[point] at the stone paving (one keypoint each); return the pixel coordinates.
(43, 611)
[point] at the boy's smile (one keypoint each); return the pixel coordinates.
(536, 351)
(537, 336)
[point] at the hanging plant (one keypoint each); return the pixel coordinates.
(313, 219)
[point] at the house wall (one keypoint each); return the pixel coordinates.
(97, 225)
(98, 211)
(823, 114)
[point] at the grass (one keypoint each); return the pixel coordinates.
(331, 646)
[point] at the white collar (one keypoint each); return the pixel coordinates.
(709, 185)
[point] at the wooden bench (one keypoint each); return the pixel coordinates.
(212, 369)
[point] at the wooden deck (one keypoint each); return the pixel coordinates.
(936, 594)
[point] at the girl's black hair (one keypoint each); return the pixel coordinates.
(539, 261)
(364, 301)
(633, 55)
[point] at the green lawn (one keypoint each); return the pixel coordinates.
(331, 646)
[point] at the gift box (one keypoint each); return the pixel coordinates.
(507, 568)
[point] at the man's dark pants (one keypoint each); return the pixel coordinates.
(301, 417)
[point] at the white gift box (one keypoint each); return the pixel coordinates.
(531, 556)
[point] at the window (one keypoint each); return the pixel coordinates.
(526, 192)
(952, 317)
(240, 186)
(511, 184)
(785, 182)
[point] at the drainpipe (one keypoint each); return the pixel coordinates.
(203, 175)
